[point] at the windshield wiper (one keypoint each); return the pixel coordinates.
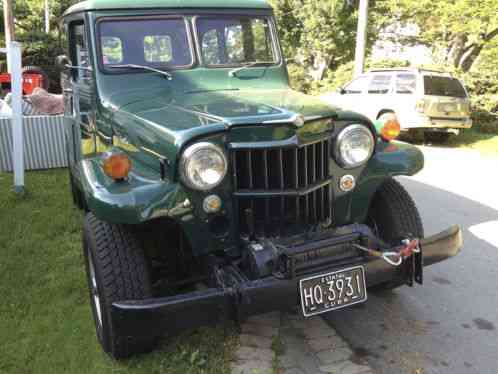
(233, 73)
(143, 67)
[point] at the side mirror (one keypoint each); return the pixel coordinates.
(62, 62)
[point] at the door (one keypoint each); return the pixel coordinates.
(378, 95)
(445, 98)
(78, 87)
(353, 95)
(405, 98)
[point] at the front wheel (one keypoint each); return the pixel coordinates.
(393, 216)
(116, 271)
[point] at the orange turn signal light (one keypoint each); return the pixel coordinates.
(390, 130)
(117, 166)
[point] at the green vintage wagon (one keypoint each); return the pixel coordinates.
(212, 190)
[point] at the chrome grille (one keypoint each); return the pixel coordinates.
(278, 187)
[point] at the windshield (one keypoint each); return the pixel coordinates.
(443, 86)
(155, 43)
(236, 40)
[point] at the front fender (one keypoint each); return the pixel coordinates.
(391, 160)
(142, 197)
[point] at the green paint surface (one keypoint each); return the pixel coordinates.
(152, 118)
(154, 4)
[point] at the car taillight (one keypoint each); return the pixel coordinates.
(420, 106)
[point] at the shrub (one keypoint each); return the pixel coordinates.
(40, 49)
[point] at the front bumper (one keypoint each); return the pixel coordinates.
(419, 121)
(173, 314)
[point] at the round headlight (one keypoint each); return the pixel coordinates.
(203, 166)
(355, 145)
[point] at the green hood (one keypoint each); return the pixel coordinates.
(164, 122)
(231, 107)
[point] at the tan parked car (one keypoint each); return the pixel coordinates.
(432, 101)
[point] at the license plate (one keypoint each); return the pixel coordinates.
(448, 108)
(332, 291)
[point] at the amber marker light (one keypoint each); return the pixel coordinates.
(117, 166)
(391, 129)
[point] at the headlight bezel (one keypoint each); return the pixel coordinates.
(347, 131)
(187, 157)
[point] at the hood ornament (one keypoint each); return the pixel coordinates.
(298, 120)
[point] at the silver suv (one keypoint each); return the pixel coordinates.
(433, 101)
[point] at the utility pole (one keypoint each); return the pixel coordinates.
(8, 17)
(47, 16)
(10, 35)
(361, 38)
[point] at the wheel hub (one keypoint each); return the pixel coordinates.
(94, 291)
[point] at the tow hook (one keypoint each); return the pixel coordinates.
(395, 258)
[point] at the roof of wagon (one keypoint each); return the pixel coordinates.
(148, 4)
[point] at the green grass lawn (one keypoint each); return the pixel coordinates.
(484, 143)
(45, 318)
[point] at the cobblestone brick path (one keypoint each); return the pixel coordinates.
(278, 343)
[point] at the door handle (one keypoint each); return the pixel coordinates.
(68, 90)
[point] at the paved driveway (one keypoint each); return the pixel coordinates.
(450, 324)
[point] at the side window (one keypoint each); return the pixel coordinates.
(79, 51)
(234, 43)
(262, 41)
(406, 84)
(158, 48)
(380, 84)
(112, 50)
(357, 86)
(211, 48)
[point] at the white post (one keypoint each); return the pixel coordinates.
(361, 39)
(47, 16)
(14, 50)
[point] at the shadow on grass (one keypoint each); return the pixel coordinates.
(471, 138)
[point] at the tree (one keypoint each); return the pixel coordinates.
(457, 30)
(321, 35)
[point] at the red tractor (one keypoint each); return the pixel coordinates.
(33, 77)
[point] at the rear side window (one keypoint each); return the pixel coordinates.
(112, 50)
(357, 86)
(443, 86)
(406, 84)
(158, 48)
(380, 84)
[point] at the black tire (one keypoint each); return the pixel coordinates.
(38, 70)
(437, 137)
(394, 216)
(116, 270)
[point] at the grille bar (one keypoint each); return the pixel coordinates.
(282, 186)
(285, 212)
